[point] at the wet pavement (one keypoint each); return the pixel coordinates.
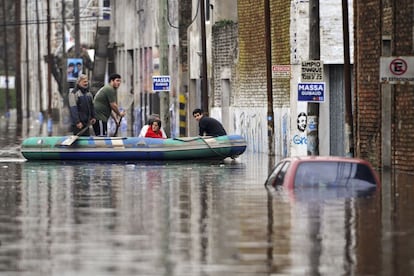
(193, 218)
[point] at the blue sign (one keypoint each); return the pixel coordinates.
(160, 83)
(311, 92)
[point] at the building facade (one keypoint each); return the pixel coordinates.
(235, 67)
(383, 111)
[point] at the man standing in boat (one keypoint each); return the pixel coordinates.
(81, 107)
(105, 103)
(208, 126)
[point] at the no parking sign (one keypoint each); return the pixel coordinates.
(394, 70)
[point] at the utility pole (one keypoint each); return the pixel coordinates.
(28, 86)
(18, 87)
(349, 122)
(49, 73)
(164, 71)
(6, 59)
(204, 82)
(39, 58)
(77, 30)
(314, 54)
(63, 78)
(270, 115)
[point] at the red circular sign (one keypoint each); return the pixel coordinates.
(398, 66)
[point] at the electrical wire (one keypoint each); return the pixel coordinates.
(192, 20)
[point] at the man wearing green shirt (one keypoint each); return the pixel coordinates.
(105, 103)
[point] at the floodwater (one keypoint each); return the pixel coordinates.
(193, 218)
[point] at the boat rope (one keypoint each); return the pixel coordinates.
(189, 139)
(209, 146)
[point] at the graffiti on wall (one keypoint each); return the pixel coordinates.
(252, 125)
(301, 124)
(299, 137)
(299, 140)
(302, 121)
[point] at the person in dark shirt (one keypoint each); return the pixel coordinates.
(82, 111)
(208, 126)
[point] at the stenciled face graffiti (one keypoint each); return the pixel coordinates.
(302, 121)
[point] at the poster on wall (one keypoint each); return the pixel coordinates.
(311, 92)
(74, 69)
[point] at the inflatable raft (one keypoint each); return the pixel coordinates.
(132, 148)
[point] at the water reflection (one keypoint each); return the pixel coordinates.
(328, 234)
(199, 218)
(130, 219)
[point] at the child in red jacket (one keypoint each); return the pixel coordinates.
(154, 130)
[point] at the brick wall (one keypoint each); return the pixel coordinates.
(224, 51)
(251, 77)
(403, 125)
(397, 22)
(367, 89)
(280, 11)
(251, 73)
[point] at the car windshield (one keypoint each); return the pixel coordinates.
(333, 173)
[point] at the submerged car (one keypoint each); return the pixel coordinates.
(323, 171)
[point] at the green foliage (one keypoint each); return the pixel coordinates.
(223, 23)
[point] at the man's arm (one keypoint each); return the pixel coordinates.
(74, 115)
(115, 109)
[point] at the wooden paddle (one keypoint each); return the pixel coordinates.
(71, 139)
(120, 119)
(117, 127)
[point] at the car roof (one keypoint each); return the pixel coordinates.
(325, 158)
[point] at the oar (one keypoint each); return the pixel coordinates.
(117, 127)
(71, 139)
(120, 119)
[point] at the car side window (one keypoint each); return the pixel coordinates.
(281, 175)
(271, 178)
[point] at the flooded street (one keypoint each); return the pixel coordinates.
(193, 218)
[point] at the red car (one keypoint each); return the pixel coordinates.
(323, 171)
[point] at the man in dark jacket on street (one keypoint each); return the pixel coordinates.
(208, 126)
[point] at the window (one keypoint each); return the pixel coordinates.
(333, 174)
(277, 176)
